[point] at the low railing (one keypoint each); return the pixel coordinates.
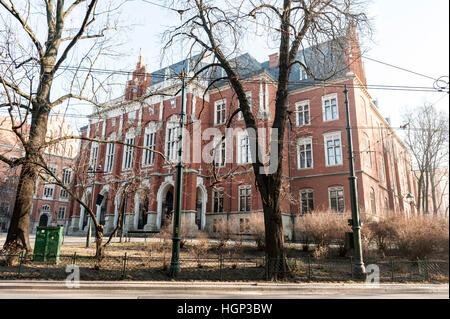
(221, 268)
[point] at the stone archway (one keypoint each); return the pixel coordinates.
(165, 203)
(141, 208)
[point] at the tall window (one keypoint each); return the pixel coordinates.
(303, 74)
(330, 108)
(305, 153)
(219, 114)
(172, 139)
(48, 191)
(128, 153)
(336, 196)
(244, 152)
(67, 176)
(333, 149)
(110, 151)
(249, 99)
(62, 212)
(63, 194)
(373, 205)
(302, 110)
(94, 155)
(245, 198)
(149, 141)
(218, 200)
(219, 154)
(306, 201)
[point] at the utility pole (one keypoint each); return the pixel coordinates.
(88, 235)
(175, 268)
(355, 222)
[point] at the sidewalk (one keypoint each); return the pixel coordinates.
(235, 286)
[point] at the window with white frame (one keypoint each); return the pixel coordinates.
(219, 112)
(218, 200)
(305, 153)
(67, 176)
(149, 142)
(249, 99)
(172, 139)
(94, 155)
(128, 153)
(303, 74)
(303, 115)
(62, 212)
(219, 153)
(336, 197)
(245, 198)
(48, 191)
(53, 169)
(46, 208)
(306, 201)
(109, 159)
(333, 148)
(63, 194)
(244, 149)
(330, 107)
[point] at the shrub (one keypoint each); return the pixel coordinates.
(257, 229)
(420, 236)
(323, 229)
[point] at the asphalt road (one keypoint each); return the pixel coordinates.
(180, 290)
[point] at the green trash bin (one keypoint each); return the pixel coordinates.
(47, 244)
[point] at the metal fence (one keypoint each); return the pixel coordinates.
(221, 268)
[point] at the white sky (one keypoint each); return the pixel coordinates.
(411, 34)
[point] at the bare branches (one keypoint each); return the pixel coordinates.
(80, 32)
(25, 26)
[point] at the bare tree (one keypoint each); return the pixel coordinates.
(426, 137)
(38, 39)
(217, 29)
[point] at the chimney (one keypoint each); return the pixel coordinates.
(274, 60)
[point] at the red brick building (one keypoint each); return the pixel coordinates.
(51, 204)
(315, 162)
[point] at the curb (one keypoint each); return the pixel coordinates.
(61, 285)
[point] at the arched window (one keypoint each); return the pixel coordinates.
(172, 132)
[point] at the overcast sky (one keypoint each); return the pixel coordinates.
(411, 34)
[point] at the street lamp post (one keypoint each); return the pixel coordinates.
(359, 268)
(88, 235)
(175, 268)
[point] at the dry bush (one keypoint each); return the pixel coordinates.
(257, 229)
(382, 233)
(223, 234)
(200, 248)
(420, 236)
(321, 252)
(323, 229)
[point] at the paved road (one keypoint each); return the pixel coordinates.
(185, 290)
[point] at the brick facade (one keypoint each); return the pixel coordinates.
(382, 163)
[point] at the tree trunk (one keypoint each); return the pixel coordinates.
(18, 232)
(100, 249)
